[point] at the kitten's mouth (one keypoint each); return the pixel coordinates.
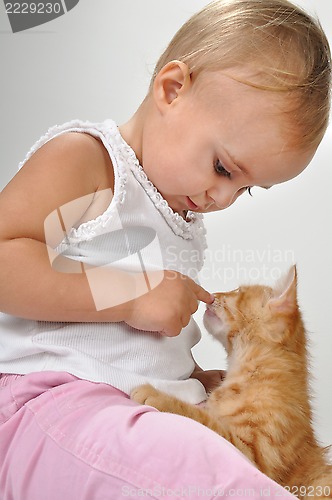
(210, 310)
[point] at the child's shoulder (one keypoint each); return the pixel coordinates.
(74, 163)
(76, 155)
(70, 167)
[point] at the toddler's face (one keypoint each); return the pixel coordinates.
(216, 139)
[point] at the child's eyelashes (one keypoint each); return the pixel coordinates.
(220, 169)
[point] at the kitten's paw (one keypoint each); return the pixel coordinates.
(143, 394)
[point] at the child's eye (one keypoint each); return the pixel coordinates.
(220, 169)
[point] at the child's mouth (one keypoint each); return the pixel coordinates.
(191, 204)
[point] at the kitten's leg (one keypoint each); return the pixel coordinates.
(146, 394)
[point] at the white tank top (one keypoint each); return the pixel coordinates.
(138, 231)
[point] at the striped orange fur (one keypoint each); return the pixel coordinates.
(263, 404)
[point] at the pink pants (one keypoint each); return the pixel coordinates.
(62, 438)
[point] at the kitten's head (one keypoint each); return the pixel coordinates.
(255, 314)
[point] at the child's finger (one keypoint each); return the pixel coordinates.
(203, 294)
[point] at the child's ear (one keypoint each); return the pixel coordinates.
(284, 298)
(171, 82)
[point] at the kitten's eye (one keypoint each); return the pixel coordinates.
(249, 188)
(220, 169)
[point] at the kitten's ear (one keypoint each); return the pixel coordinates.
(284, 299)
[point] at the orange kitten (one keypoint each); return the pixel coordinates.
(262, 406)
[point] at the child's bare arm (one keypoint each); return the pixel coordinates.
(68, 168)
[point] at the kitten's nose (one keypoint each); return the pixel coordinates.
(216, 303)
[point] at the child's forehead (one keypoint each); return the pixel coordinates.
(231, 83)
(230, 90)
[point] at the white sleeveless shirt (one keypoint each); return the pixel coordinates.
(137, 232)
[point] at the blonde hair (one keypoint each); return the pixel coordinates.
(287, 48)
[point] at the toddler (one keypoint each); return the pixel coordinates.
(95, 301)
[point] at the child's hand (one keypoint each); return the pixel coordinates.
(168, 307)
(211, 379)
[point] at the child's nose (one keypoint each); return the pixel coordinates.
(224, 196)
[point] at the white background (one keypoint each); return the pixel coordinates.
(95, 62)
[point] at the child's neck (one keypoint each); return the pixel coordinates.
(132, 130)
